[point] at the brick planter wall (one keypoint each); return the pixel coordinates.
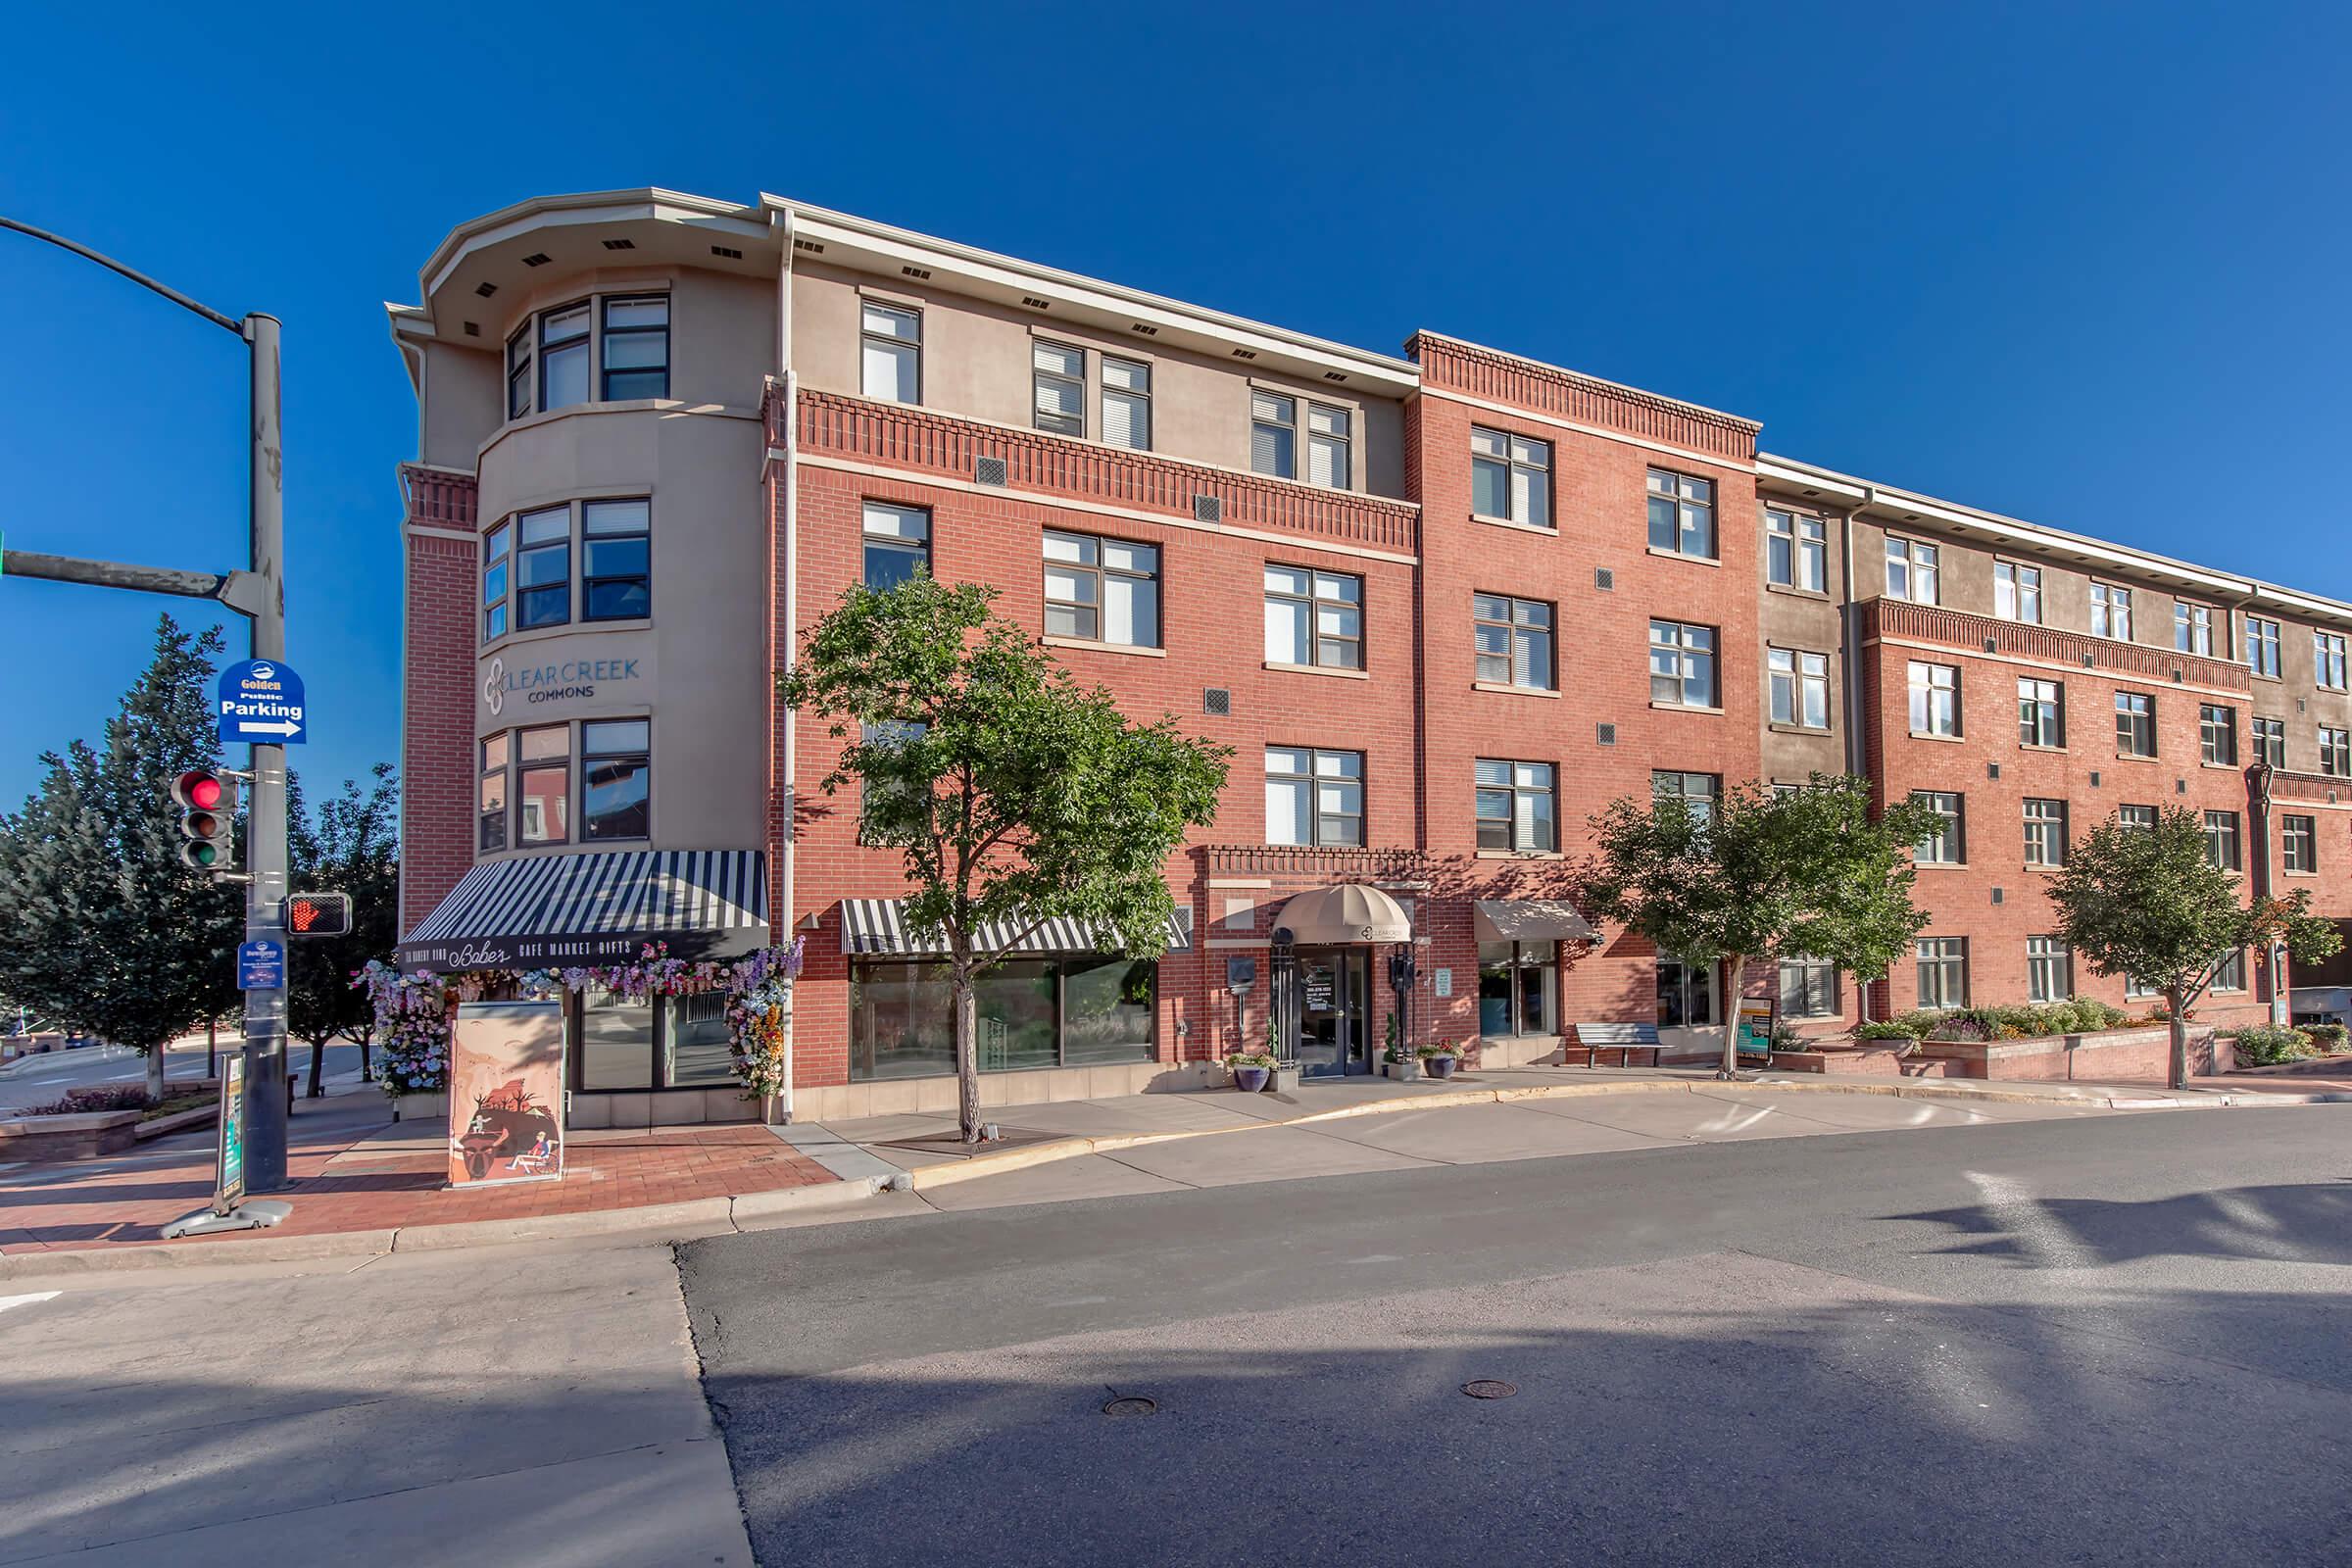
(2125, 1056)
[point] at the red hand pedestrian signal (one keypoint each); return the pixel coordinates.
(318, 915)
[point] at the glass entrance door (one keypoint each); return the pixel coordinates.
(1334, 987)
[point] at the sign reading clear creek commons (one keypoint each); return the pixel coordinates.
(561, 682)
(261, 704)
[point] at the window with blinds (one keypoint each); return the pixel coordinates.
(1512, 640)
(1517, 810)
(1059, 375)
(1328, 443)
(1127, 404)
(1273, 435)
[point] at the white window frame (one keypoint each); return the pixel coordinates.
(1132, 397)
(2133, 726)
(2045, 831)
(1914, 570)
(1276, 413)
(1060, 379)
(2040, 712)
(2262, 646)
(2049, 969)
(2328, 660)
(2017, 592)
(1947, 844)
(1811, 972)
(1799, 683)
(2269, 740)
(872, 340)
(2192, 629)
(2335, 752)
(2299, 843)
(1330, 446)
(2224, 844)
(1796, 551)
(1690, 649)
(2217, 722)
(1949, 956)
(1934, 698)
(2110, 612)
(1699, 792)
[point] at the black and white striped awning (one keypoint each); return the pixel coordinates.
(877, 927)
(553, 912)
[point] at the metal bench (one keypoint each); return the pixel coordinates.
(1622, 1038)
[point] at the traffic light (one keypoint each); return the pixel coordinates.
(208, 810)
(318, 915)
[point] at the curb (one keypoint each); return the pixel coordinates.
(1073, 1147)
(666, 1222)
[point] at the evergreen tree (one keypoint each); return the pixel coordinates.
(351, 843)
(108, 933)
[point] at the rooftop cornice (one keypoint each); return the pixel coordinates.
(1578, 380)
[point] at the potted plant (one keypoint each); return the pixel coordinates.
(1442, 1058)
(1251, 1070)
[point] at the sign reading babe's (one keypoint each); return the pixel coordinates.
(260, 704)
(561, 681)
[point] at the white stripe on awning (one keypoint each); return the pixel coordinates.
(654, 893)
(872, 927)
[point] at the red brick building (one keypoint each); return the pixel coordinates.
(1442, 605)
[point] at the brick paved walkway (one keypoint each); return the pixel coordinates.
(353, 1171)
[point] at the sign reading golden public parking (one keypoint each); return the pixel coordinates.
(260, 704)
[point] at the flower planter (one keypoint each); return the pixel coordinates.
(1443, 1067)
(1251, 1080)
(1404, 1070)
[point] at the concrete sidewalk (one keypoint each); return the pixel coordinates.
(1163, 1141)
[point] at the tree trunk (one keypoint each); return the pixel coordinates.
(366, 1071)
(968, 1053)
(155, 1074)
(1735, 986)
(2179, 1033)
(318, 1085)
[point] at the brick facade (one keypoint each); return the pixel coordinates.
(436, 685)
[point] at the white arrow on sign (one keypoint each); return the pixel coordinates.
(246, 728)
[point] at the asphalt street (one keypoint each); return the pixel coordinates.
(2120, 1340)
(41, 1079)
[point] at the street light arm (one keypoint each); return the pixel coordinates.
(134, 273)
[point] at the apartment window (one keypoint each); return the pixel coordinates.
(898, 544)
(636, 347)
(1685, 994)
(491, 800)
(1682, 665)
(1696, 791)
(616, 573)
(2269, 741)
(2040, 712)
(2299, 842)
(1510, 477)
(1913, 570)
(1328, 442)
(1947, 843)
(891, 352)
(2216, 733)
(543, 784)
(1517, 983)
(615, 780)
(1127, 404)
(890, 807)
(2111, 611)
(2045, 832)
(2335, 752)
(1314, 798)
(2231, 974)
(2327, 657)
(519, 372)
(1314, 617)
(1801, 687)
(2017, 592)
(1513, 641)
(495, 570)
(1935, 699)
(1102, 590)
(1943, 971)
(2221, 839)
(1516, 808)
(2135, 724)
(2192, 629)
(1274, 434)
(1808, 988)
(2049, 969)
(1057, 377)
(2262, 646)
(2141, 819)
(543, 568)
(2137, 990)
(1682, 513)
(1795, 551)
(564, 356)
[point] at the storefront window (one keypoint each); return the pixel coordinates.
(546, 784)
(616, 1041)
(1033, 1013)
(1517, 987)
(615, 769)
(1685, 995)
(694, 1041)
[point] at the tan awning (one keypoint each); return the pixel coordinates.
(1348, 914)
(1530, 920)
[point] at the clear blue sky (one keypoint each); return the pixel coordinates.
(2081, 264)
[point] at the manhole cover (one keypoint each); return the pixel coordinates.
(1489, 1389)
(1130, 1404)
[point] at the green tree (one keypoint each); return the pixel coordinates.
(1014, 796)
(2149, 904)
(349, 844)
(1766, 874)
(108, 934)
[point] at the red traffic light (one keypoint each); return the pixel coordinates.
(200, 790)
(208, 803)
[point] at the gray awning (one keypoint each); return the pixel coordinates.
(1336, 916)
(1530, 920)
(877, 929)
(553, 912)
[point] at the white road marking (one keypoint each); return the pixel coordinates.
(7, 1301)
